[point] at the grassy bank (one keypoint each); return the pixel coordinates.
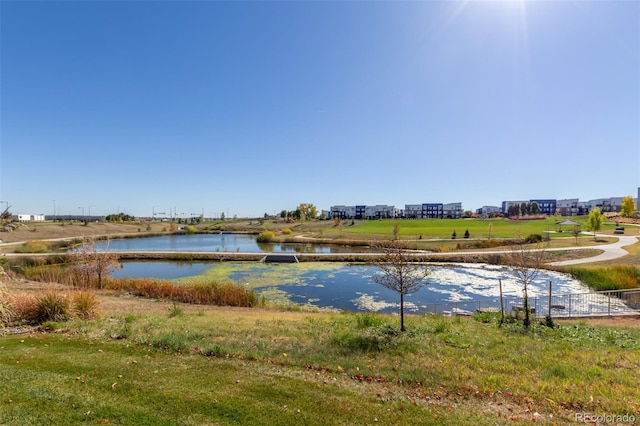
(269, 367)
(617, 277)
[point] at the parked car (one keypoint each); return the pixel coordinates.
(619, 230)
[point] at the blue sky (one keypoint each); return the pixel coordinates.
(249, 108)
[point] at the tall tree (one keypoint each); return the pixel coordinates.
(595, 221)
(308, 211)
(628, 206)
(400, 273)
(534, 208)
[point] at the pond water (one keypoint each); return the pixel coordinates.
(350, 287)
(242, 243)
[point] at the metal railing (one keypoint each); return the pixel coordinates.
(591, 304)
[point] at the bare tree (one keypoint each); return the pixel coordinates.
(92, 263)
(525, 262)
(400, 273)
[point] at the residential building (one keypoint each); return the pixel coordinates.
(487, 210)
(569, 207)
(380, 211)
(412, 211)
(343, 212)
(452, 210)
(547, 207)
(432, 211)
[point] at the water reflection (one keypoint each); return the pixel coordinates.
(240, 243)
(349, 287)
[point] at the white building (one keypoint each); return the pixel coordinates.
(452, 210)
(380, 211)
(30, 218)
(569, 207)
(413, 211)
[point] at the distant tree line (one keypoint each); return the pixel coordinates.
(119, 217)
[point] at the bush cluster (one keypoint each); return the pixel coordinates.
(199, 293)
(266, 237)
(53, 305)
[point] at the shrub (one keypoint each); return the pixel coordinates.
(287, 231)
(22, 306)
(266, 237)
(52, 306)
(533, 239)
(6, 311)
(85, 305)
(34, 247)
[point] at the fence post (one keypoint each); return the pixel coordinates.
(501, 304)
(549, 307)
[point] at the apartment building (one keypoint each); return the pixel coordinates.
(487, 210)
(547, 207)
(380, 211)
(432, 211)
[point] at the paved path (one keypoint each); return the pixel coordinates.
(610, 251)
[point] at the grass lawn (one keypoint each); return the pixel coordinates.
(444, 228)
(204, 365)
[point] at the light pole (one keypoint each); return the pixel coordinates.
(90, 205)
(153, 213)
(82, 212)
(54, 210)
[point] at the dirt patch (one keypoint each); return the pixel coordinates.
(623, 322)
(70, 230)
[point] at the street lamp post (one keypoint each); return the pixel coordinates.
(90, 205)
(54, 210)
(82, 213)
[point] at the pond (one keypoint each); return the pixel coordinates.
(242, 243)
(350, 287)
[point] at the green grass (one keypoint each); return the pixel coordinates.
(443, 228)
(314, 368)
(617, 277)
